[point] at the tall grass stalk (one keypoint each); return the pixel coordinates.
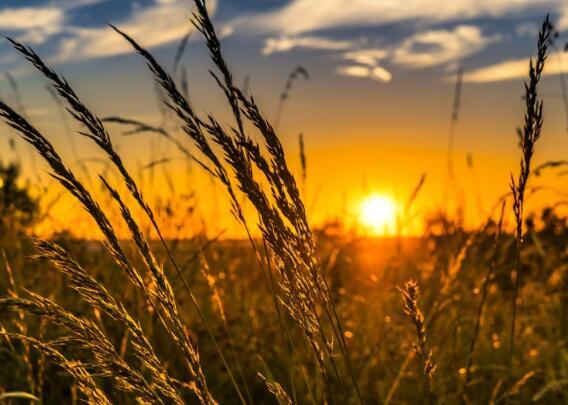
(97, 133)
(456, 106)
(22, 109)
(212, 283)
(484, 291)
(141, 127)
(284, 225)
(89, 337)
(278, 174)
(529, 135)
(194, 127)
(442, 301)
(20, 324)
(410, 298)
(300, 71)
(303, 165)
(77, 370)
(94, 293)
(163, 308)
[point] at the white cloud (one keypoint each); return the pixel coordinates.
(421, 50)
(437, 47)
(301, 16)
(163, 22)
(34, 25)
(367, 64)
(38, 36)
(513, 69)
(299, 23)
(31, 24)
(285, 44)
(25, 18)
(377, 73)
(369, 57)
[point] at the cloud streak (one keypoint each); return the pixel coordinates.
(366, 64)
(299, 24)
(32, 24)
(163, 22)
(513, 70)
(438, 47)
(303, 16)
(425, 49)
(377, 73)
(36, 24)
(369, 57)
(285, 44)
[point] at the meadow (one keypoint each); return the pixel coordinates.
(289, 314)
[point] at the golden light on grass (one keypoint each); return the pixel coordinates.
(377, 214)
(306, 269)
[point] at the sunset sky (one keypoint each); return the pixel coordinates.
(375, 112)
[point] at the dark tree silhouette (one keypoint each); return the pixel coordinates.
(18, 209)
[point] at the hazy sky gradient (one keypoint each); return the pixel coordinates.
(375, 112)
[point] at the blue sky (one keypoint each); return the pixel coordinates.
(361, 38)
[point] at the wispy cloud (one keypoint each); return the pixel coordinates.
(438, 47)
(302, 16)
(36, 24)
(285, 44)
(369, 57)
(424, 49)
(300, 23)
(163, 22)
(366, 64)
(32, 24)
(513, 69)
(377, 73)
(26, 18)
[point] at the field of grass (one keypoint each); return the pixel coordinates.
(295, 315)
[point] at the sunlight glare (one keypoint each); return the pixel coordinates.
(377, 214)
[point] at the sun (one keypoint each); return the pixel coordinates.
(377, 214)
